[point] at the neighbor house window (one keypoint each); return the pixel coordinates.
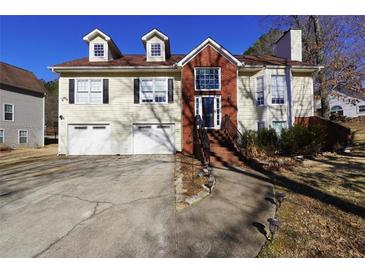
(153, 90)
(337, 110)
(260, 125)
(99, 50)
(362, 109)
(277, 89)
(156, 50)
(89, 91)
(23, 136)
(207, 79)
(278, 126)
(260, 91)
(8, 112)
(1, 136)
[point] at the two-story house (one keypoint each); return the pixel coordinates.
(22, 98)
(115, 103)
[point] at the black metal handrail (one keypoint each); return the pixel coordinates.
(235, 136)
(201, 141)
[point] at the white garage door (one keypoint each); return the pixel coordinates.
(90, 139)
(153, 139)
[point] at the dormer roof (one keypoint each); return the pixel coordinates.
(96, 32)
(155, 32)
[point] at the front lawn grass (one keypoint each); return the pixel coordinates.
(315, 225)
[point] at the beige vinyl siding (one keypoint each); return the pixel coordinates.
(302, 98)
(249, 114)
(121, 112)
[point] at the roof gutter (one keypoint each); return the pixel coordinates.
(114, 69)
(312, 69)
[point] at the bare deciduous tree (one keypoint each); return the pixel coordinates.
(338, 43)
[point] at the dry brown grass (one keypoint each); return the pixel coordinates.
(311, 227)
(189, 168)
(23, 155)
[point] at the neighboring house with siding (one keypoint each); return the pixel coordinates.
(114, 103)
(22, 98)
(346, 103)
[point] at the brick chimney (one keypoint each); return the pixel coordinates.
(289, 46)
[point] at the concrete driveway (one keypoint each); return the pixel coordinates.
(88, 207)
(125, 207)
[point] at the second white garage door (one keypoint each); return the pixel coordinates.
(89, 139)
(153, 139)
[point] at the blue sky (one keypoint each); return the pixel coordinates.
(36, 42)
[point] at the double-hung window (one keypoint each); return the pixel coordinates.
(362, 109)
(8, 112)
(277, 89)
(89, 91)
(156, 50)
(207, 79)
(23, 136)
(99, 50)
(260, 88)
(1, 136)
(153, 90)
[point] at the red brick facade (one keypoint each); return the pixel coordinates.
(207, 57)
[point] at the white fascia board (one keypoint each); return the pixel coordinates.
(154, 32)
(251, 68)
(92, 33)
(114, 69)
(306, 68)
(216, 46)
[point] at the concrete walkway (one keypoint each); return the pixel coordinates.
(125, 207)
(232, 221)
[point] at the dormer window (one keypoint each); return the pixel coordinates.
(155, 49)
(99, 50)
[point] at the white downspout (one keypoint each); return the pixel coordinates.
(289, 85)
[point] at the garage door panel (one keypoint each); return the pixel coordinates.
(153, 139)
(89, 139)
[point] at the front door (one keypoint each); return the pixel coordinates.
(209, 109)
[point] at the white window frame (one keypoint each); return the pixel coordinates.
(336, 111)
(358, 108)
(257, 124)
(279, 121)
(151, 50)
(13, 113)
(19, 130)
(284, 90)
(153, 92)
(93, 48)
(219, 77)
(89, 91)
(263, 91)
(3, 131)
(198, 109)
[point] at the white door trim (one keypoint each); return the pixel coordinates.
(217, 111)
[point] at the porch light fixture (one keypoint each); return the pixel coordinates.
(273, 227)
(61, 117)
